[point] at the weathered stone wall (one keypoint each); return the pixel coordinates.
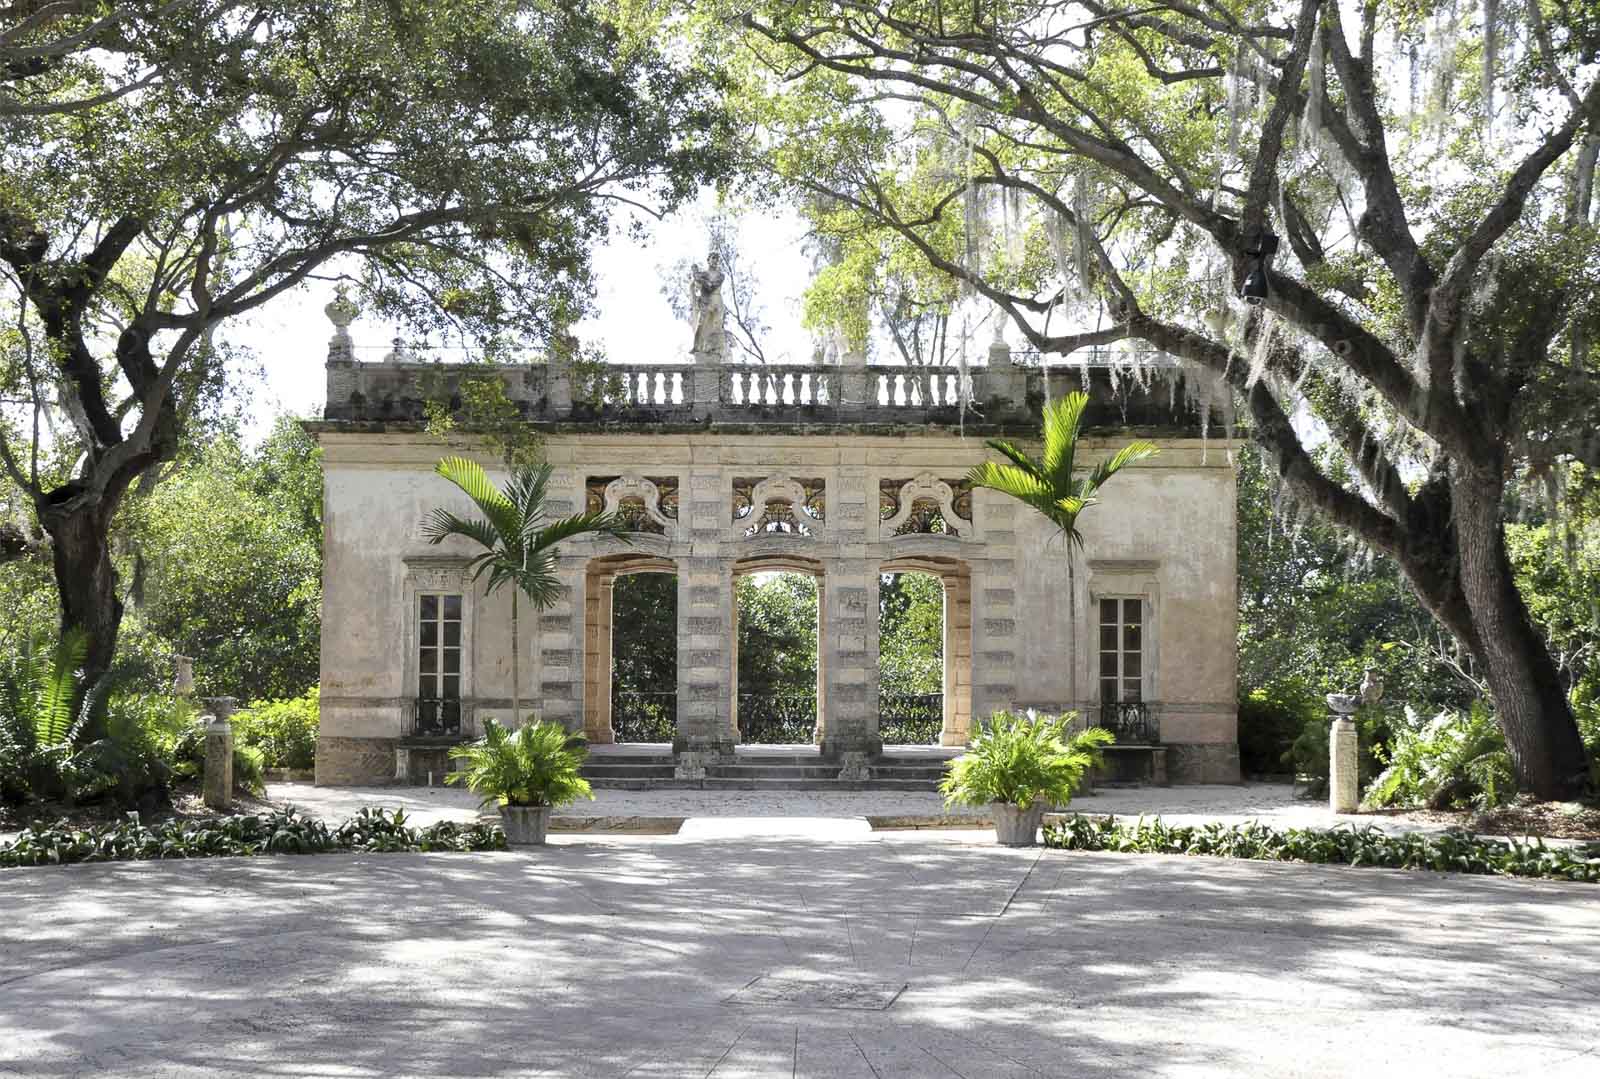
(1165, 532)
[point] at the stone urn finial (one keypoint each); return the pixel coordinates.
(1342, 704)
(342, 311)
(398, 354)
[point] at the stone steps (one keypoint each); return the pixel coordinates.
(761, 771)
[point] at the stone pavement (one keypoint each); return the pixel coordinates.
(779, 812)
(890, 955)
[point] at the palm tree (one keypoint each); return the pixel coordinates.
(1052, 486)
(519, 547)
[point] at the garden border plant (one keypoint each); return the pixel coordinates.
(1448, 852)
(285, 831)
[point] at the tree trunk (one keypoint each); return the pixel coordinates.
(1547, 751)
(516, 669)
(85, 577)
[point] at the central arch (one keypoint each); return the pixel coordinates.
(778, 563)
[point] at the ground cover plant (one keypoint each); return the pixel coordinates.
(1450, 852)
(285, 831)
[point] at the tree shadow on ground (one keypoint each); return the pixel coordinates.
(629, 958)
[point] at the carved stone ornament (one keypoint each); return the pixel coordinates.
(926, 505)
(437, 573)
(639, 501)
(780, 505)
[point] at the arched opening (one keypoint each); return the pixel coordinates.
(911, 613)
(925, 689)
(777, 666)
(631, 653)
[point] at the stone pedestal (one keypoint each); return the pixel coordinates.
(1004, 380)
(218, 790)
(558, 386)
(1344, 784)
(707, 387)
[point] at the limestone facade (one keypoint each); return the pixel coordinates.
(719, 477)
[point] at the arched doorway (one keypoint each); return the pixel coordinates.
(631, 650)
(777, 664)
(914, 706)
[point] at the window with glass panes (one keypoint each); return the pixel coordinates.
(1121, 650)
(439, 647)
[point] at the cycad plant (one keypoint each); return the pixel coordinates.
(537, 765)
(1052, 484)
(519, 546)
(1023, 761)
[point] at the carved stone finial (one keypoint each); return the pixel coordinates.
(399, 353)
(1371, 691)
(342, 311)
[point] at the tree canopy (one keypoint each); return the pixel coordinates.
(1101, 173)
(168, 167)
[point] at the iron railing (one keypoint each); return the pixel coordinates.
(777, 718)
(910, 719)
(1133, 722)
(437, 718)
(644, 715)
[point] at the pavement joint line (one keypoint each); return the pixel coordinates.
(1021, 883)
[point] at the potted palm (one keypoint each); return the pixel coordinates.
(526, 773)
(1020, 766)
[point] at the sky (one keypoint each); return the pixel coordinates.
(633, 321)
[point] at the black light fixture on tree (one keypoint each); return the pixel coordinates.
(1254, 289)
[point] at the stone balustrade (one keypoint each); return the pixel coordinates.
(1129, 389)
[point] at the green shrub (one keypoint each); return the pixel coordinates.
(286, 831)
(1022, 760)
(1271, 718)
(285, 731)
(1457, 759)
(1450, 852)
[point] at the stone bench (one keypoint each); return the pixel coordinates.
(1131, 764)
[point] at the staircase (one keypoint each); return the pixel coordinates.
(764, 768)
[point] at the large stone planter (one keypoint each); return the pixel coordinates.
(525, 825)
(1015, 827)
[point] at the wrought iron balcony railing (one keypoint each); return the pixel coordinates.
(1133, 722)
(910, 719)
(435, 718)
(644, 715)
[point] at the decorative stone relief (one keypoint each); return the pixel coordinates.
(645, 504)
(780, 505)
(437, 573)
(1000, 627)
(925, 505)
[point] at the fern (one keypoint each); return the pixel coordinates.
(1455, 759)
(53, 718)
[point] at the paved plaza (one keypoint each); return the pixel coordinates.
(835, 813)
(878, 955)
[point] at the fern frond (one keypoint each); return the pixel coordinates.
(53, 721)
